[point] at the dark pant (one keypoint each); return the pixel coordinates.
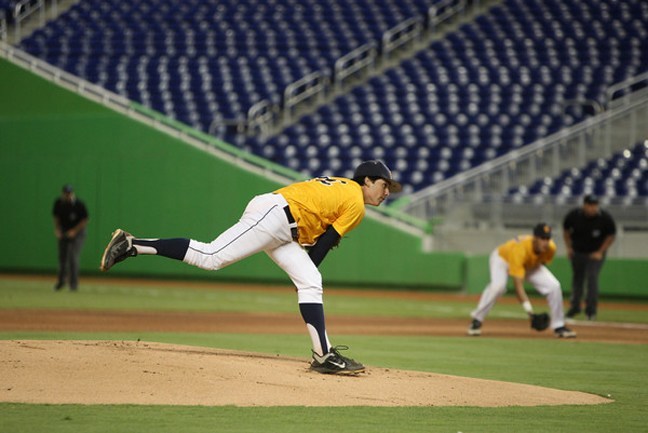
(69, 252)
(583, 269)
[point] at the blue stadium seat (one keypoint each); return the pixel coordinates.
(624, 174)
(250, 49)
(494, 85)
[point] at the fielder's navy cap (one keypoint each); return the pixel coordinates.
(68, 188)
(377, 168)
(542, 230)
(591, 199)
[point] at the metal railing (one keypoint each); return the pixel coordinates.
(612, 95)
(191, 136)
(486, 186)
(408, 31)
(146, 115)
(365, 59)
(631, 214)
(312, 86)
(359, 61)
(260, 115)
(442, 11)
(23, 10)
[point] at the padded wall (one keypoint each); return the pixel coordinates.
(134, 177)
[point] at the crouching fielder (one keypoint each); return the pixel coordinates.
(295, 226)
(524, 258)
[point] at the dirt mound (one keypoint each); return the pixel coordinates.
(109, 372)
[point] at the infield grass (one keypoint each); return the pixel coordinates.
(599, 368)
(104, 294)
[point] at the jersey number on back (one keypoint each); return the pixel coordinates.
(325, 180)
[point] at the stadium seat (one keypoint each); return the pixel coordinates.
(623, 175)
(494, 85)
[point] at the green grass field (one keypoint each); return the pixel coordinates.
(604, 369)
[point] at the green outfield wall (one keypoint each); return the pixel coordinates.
(137, 178)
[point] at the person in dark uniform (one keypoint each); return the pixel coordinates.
(70, 221)
(588, 232)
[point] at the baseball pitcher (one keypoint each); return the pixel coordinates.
(296, 226)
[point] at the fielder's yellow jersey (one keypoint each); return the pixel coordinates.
(323, 201)
(519, 254)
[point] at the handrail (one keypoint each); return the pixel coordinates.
(23, 10)
(401, 34)
(239, 124)
(184, 131)
(61, 77)
(613, 89)
(363, 57)
(515, 156)
(311, 85)
(248, 161)
(140, 112)
(443, 10)
(261, 115)
(545, 144)
(596, 106)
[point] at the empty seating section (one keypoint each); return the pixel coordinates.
(199, 60)
(492, 86)
(624, 177)
(495, 84)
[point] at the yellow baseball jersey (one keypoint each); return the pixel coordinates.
(519, 254)
(323, 201)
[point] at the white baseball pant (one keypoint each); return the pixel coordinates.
(262, 227)
(542, 280)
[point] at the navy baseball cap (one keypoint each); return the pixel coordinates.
(542, 230)
(375, 168)
(68, 188)
(590, 199)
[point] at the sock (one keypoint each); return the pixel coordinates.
(313, 315)
(172, 248)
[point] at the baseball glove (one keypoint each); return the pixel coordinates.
(539, 322)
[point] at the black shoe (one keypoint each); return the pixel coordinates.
(572, 312)
(475, 328)
(564, 332)
(58, 286)
(334, 363)
(591, 317)
(118, 249)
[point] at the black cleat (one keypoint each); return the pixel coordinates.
(334, 363)
(475, 328)
(118, 249)
(564, 332)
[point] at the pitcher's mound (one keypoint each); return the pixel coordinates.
(110, 372)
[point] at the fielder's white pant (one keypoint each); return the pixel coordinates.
(541, 278)
(262, 227)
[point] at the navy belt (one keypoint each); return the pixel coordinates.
(291, 221)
